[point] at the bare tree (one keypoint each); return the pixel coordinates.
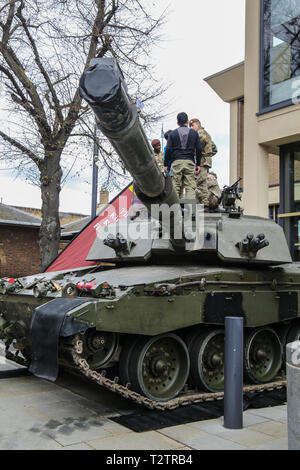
(45, 45)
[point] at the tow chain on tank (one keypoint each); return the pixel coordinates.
(184, 400)
(16, 358)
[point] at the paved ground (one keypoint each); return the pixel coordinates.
(73, 414)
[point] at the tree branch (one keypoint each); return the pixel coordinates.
(39, 115)
(6, 26)
(39, 63)
(21, 147)
(75, 106)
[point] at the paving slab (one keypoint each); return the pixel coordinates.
(272, 428)
(275, 444)
(214, 442)
(61, 410)
(184, 448)
(250, 418)
(183, 433)
(13, 420)
(115, 428)
(25, 385)
(43, 398)
(24, 440)
(273, 413)
(80, 446)
(216, 426)
(246, 437)
(150, 440)
(75, 431)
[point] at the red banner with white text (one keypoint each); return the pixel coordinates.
(75, 253)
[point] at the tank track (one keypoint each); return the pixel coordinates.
(14, 357)
(185, 399)
(79, 364)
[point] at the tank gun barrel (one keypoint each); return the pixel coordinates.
(102, 85)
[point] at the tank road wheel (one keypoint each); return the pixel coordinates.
(125, 360)
(293, 334)
(159, 366)
(191, 336)
(290, 334)
(263, 355)
(99, 347)
(207, 361)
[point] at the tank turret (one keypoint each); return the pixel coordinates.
(183, 230)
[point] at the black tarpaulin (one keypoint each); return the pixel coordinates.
(49, 321)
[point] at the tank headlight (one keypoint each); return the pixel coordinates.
(70, 290)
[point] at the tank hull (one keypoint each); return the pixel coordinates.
(133, 311)
(152, 300)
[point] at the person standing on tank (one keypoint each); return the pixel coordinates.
(159, 156)
(209, 149)
(214, 191)
(183, 148)
(166, 136)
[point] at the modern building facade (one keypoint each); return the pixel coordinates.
(264, 96)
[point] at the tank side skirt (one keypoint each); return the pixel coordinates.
(222, 304)
(139, 314)
(288, 305)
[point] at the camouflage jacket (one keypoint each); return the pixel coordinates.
(212, 184)
(209, 149)
(159, 157)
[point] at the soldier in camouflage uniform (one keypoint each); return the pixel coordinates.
(209, 149)
(159, 156)
(213, 191)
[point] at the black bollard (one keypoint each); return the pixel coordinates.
(233, 371)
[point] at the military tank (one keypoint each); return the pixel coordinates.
(147, 321)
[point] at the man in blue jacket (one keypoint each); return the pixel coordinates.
(183, 147)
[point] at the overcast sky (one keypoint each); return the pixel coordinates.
(200, 38)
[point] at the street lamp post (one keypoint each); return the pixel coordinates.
(95, 174)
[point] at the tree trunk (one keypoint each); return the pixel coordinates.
(50, 177)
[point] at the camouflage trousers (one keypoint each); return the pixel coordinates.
(183, 177)
(213, 201)
(202, 193)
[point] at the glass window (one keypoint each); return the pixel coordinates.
(280, 52)
(289, 217)
(296, 223)
(273, 212)
(271, 209)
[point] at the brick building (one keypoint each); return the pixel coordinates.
(19, 236)
(19, 249)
